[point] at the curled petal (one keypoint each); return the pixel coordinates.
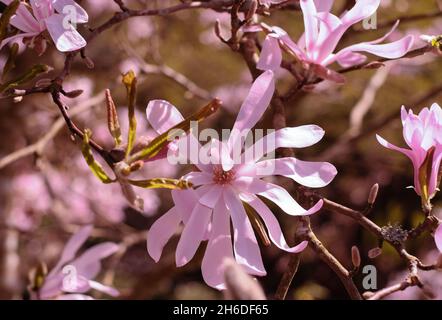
(271, 56)
(162, 115)
(65, 39)
(161, 232)
(273, 227)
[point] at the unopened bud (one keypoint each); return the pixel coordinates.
(252, 10)
(355, 257)
(218, 29)
(373, 194)
(374, 65)
(375, 252)
(73, 94)
(137, 165)
(89, 63)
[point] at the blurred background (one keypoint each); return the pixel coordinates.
(46, 193)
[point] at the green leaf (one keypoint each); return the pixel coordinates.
(95, 167)
(10, 63)
(161, 183)
(28, 76)
(6, 17)
(157, 144)
(130, 81)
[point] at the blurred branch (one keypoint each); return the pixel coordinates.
(38, 147)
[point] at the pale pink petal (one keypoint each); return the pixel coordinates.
(74, 297)
(277, 195)
(198, 178)
(309, 12)
(15, 38)
(218, 248)
(64, 6)
(71, 248)
(42, 9)
(24, 20)
(186, 201)
(271, 56)
(254, 106)
(246, 247)
(288, 43)
(273, 227)
(211, 195)
(194, 232)
(438, 237)
(350, 59)
(88, 264)
(323, 5)
(161, 231)
(435, 169)
(105, 289)
(306, 173)
(162, 115)
(65, 39)
(295, 137)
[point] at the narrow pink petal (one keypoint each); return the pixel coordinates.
(438, 237)
(17, 37)
(349, 59)
(310, 23)
(42, 9)
(185, 200)
(218, 248)
(246, 247)
(161, 231)
(295, 137)
(279, 196)
(74, 297)
(71, 248)
(273, 227)
(194, 232)
(105, 289)
(288, 42)
(198, 178)
(306, 173)
(65, 39)
(25, 21)
(254, 106)
(323, 5)
(61, 5)
(162, 115)
(271, 56)
(88, 264)
(211, 195)
(435, 168)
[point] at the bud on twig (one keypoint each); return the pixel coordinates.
(112, 119)
(375, 252)
(89, 63)
(355, 257)
(73, 94)
(373, 194)
(252, 10)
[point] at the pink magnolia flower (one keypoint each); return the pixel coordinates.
(423, 134)
(72, 277)
(223, 185)
(53, 16)
(323, 30)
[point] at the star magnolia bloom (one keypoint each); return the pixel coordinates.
(222, 186)
(323, 30)
(72, 277)
(423, 134)
(53, 16)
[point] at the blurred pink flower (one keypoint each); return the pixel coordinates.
(423, 134)
(323, 31)
(223, 185)
(50, 15)
(72, 277)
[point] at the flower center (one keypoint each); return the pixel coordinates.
(222, 177)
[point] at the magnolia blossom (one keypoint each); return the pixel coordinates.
(323, 30)
(423, 134)
(55, 16)
(223, 185)
(72, 276)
